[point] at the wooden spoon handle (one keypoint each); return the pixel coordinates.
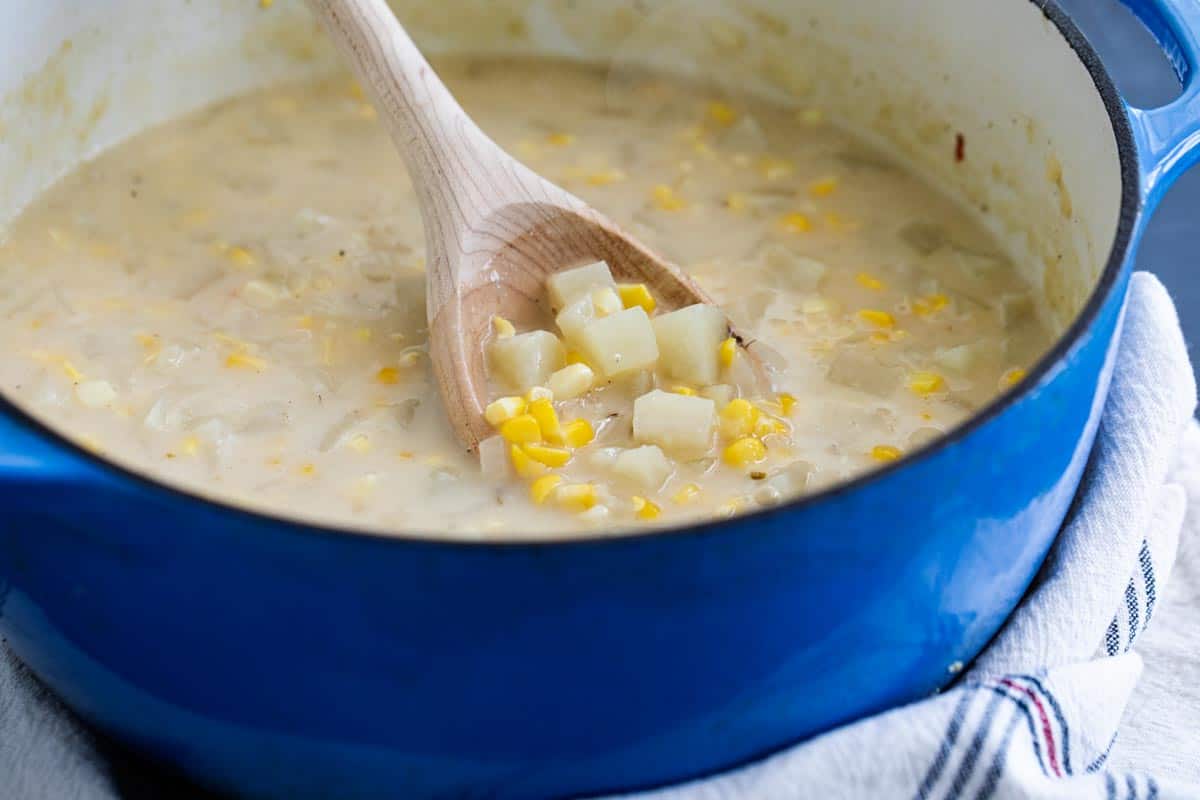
(441, 146)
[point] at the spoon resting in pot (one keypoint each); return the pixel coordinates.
(494, 229)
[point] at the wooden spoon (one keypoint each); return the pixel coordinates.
(494, 229)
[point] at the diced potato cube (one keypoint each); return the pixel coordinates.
(584, 310)
(620, 343)
(643, 467)
(565, 287)
(720, 393)
(571, 381)
(688, 343)
(681, 425)
(261, 294)
(965, 357)
(606, 301)
(856, 369)
(793, 271)
(493, 459)
(527, 359)
(955, 359)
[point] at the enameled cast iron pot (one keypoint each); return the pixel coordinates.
(274, 658)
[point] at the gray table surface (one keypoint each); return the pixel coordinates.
(1145, 78)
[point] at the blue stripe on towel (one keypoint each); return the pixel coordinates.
(1132, 604)
(1112, 638)
(948, 740)
(967, 767)
(991, 778)
(1148, 579)
(1059, 716)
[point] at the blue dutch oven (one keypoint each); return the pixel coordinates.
(273, 658)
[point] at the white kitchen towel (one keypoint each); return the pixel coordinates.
(1036, 715)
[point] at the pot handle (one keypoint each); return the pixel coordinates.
(1168, 138)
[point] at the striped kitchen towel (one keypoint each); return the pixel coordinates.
(1037, 714)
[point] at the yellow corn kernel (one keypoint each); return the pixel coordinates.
(925, 383)
(686, 494)
(787, 404)
(388, 375)
(722, 113)
(574, 357)
(571, 381)
(665, 198)
(637, 294)
(151, 344)
(503, 409)
(885, 452)
(265, 3)
(738, 418)
(523, 464)
(926, 306)
(879, 337)
(746, 450)
(577, 433)
(405, 455)
(521, 429)
(823, 187)
(361, 443)
(1012, 377)
(362, 334)
(869, 282)
(839, 224)
(71, 372)
(727, 351)
(241, 257)
(308, 470)
(795, 222)
(645, 509)
(735, 201)
(241, 360)
(550, 456)
(541, 489)
(305, 323)
(547, 420)
(775, 168)
(880, 319)
(197, 216)
(575, 496)
(604, 177)
(811, 116)
(560, 139)
(686, 391)
(502, 328)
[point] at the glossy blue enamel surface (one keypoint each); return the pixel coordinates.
(285, 661)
